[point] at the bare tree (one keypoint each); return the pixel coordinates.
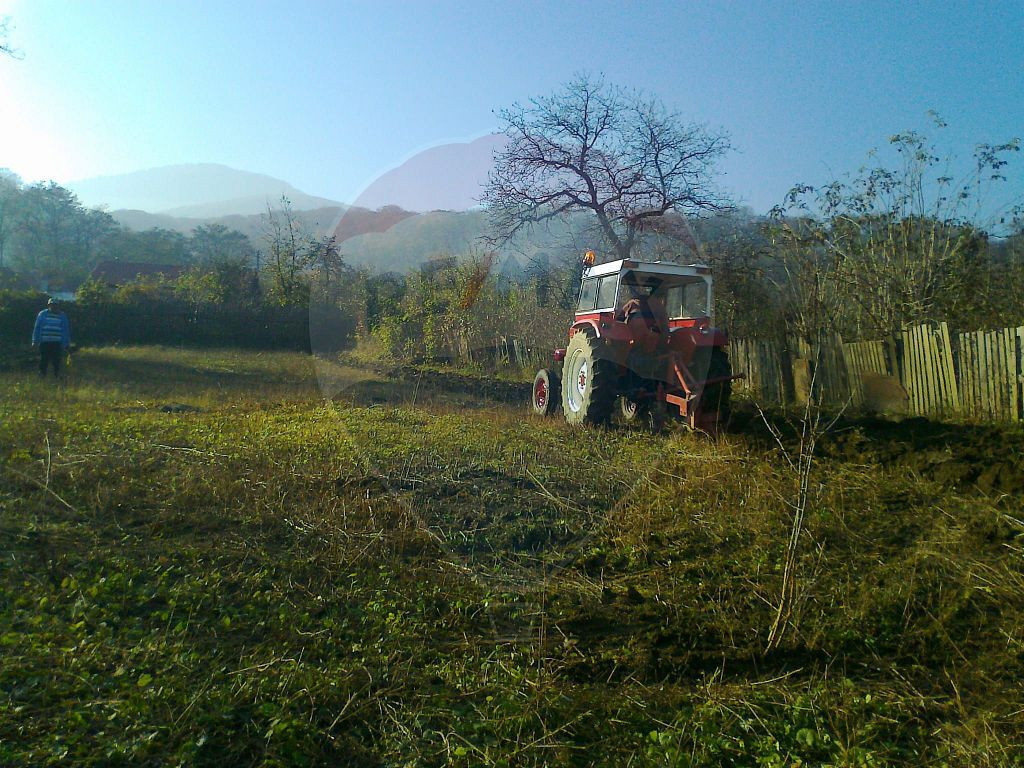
(287, 255)
(328, 265)
(595, 147)
(5, 46)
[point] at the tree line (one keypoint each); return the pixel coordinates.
(47, 235)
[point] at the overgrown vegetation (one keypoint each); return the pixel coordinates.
(904, 244)
(204, 563)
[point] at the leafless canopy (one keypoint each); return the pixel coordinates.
(5, 45)
(595, 147)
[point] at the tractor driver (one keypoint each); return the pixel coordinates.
(649, 308)
(645, 316)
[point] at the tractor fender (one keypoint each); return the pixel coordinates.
(602, 329)
(610, 332)
(582, 325)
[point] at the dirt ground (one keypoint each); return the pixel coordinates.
(988, 457)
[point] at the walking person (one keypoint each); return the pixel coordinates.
(53, 335)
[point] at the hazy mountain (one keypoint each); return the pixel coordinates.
(412, 240)
(318, 220)
(380, 229)
(251, 205)
(199, 190)
(448, 177)
(415, 239)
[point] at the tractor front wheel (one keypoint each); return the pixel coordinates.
(546, 395)
(588, 390)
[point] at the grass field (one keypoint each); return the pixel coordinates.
(204, 562)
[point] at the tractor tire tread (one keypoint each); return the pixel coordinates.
(600, 404)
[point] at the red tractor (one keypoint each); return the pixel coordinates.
(641, 343)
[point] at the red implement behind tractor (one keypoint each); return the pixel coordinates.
(641, 343)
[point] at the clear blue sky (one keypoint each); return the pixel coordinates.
(328, 95)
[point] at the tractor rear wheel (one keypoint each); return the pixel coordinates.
(717, 397)
(628, 409)
(589, 384)
(546, 396)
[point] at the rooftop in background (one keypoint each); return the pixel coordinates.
(115, 273)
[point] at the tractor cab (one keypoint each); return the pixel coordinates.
(677, 295)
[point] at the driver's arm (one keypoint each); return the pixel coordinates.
(630, 307)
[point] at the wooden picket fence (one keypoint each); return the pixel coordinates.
(509, 350)
(990, 374)
(977, 375)
(863, 357)
(928, 371)
(762, 362)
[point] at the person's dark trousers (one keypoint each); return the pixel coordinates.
(49, 351)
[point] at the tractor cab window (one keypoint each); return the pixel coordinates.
(687, 300)
(598, 293)
(606, 292)
(638, 286)
(588, 295)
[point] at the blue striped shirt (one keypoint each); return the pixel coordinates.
(52, 326)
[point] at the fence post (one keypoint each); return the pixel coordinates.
(1007, 371)
(950, 370)
(1018, 370)
(931, 382)
(786, 357)
(984, 368)
(907, 371)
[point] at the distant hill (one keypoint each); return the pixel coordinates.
(381, 229)
(414, 239)
(319, 220)
(447, 177)
(250, 206)
(365, 236)
(198, 190)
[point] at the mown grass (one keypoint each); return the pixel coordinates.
(206, 563)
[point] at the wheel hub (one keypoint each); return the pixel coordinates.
(578, 373)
